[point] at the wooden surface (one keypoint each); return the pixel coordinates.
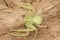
(11, 17)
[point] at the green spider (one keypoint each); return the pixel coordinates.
(29, 21)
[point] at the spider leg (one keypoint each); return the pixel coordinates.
(20, 35)
(35, 34)
(29, 28)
